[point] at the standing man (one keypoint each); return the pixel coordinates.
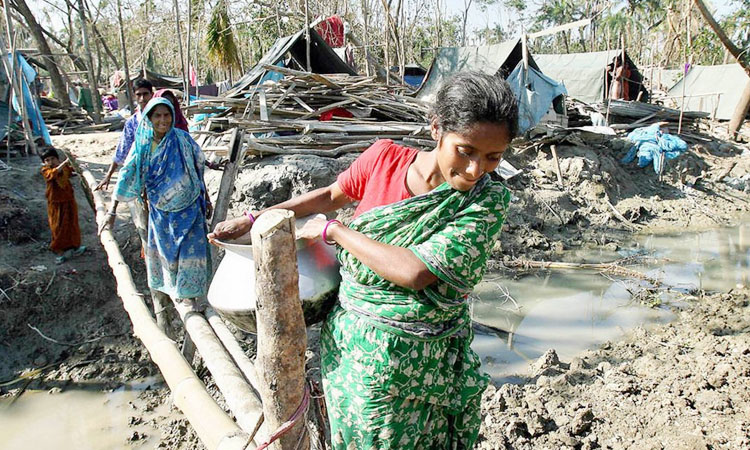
(143, 93)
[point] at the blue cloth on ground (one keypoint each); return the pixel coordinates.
(648, 145)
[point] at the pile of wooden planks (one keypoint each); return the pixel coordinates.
(283, 117)
(61, 120)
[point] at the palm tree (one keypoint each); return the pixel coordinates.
(222, 47)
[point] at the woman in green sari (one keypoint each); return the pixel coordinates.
(397, 367)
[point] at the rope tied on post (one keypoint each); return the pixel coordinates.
(289, 424)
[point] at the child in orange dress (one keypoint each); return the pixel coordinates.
(62, 210)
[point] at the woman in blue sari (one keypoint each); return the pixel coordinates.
(167, 164)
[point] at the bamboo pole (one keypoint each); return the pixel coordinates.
(92, 79)
(213, 426)
(240, 397)
(282, 339)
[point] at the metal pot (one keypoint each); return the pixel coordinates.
(232, 291)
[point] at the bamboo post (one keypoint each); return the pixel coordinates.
(90, 62)
(128, 87)
(281, 326)
(213, 426)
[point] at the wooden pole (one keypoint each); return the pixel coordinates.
(557, 166)
(90, 62)
(128, 87)
(226, 186)
(281, 326)
(179, 44)
(307, 37)
(13, 71)
(213, 426)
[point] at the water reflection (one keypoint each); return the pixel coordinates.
(572, 311)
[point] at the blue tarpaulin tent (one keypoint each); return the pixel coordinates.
(535, 92)
(33, 110)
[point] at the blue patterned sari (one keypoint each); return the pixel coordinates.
(171, 174)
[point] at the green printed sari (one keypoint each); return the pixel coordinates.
(398, 370)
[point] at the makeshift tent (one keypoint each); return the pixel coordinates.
(28, 75)
(159, 81)
(290, 51)
(535, 93)
(586, 75)
(499, 59)
(711, 89)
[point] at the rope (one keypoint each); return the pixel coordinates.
(289, 424)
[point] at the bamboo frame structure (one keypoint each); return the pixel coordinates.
(214, 427)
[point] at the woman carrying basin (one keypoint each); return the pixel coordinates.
(398, 370)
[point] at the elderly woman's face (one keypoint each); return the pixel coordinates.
(161, 118)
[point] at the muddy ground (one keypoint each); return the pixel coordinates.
(682, 385)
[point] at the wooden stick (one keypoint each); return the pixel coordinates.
(557, 166)
(282, 338)
(611, 268)
(213, 426)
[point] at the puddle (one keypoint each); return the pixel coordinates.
(573, 311)
(75, 419)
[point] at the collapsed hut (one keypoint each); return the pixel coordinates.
(290, 52)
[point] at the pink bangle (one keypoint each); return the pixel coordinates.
(325, 231)
(250, 216)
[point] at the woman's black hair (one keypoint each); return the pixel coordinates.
(469, 98)
(49, 152)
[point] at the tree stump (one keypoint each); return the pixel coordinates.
(282, 338)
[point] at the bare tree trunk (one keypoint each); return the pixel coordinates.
(366, 16)
(307, 37)
(58, 85)
(92, 80)
(281, 326)
(742, 107)
(128, 87)
(187, 51)
(179, 44)
(467, 5)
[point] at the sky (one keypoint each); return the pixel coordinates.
(497, 14)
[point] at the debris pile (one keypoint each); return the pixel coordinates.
(308, 113)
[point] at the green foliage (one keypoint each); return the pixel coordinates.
(222, 48)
